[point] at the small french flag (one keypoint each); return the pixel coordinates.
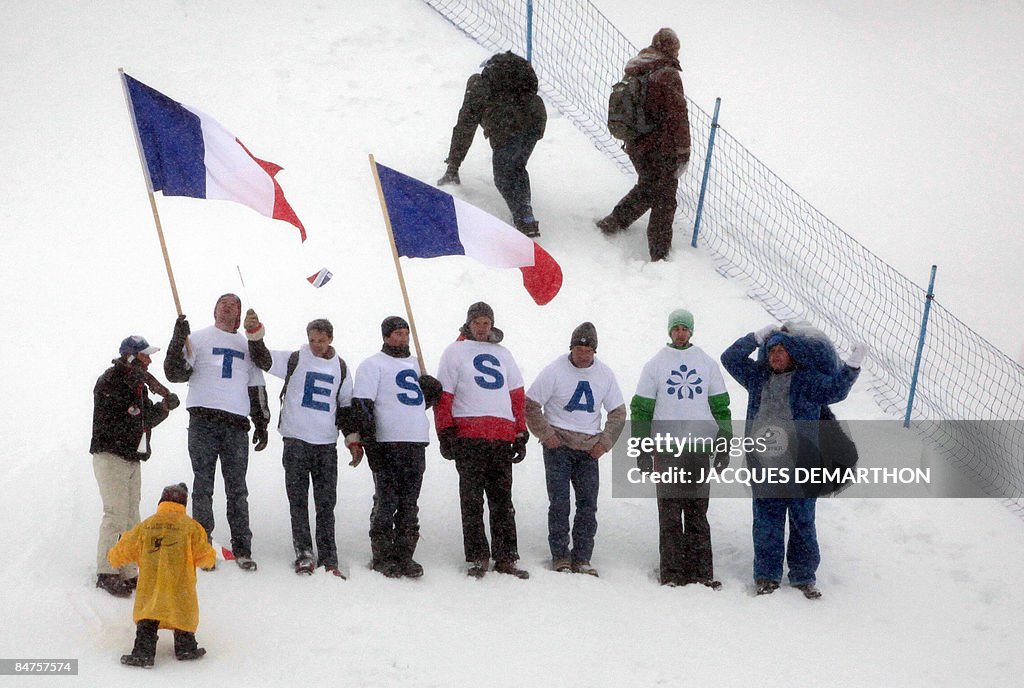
(321, 278)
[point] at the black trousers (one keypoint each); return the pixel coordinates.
(397, 478)
(655, 190)
(684, 540)
(145, 639)
(316, 463)
(485, 468)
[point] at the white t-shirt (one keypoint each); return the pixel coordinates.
(481, 376)
(680, 382)
(222, 371)
(312, 398)
(572, 397)
(399, 408)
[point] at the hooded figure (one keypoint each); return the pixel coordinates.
(168, 547)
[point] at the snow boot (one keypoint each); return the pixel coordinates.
(114, 584)
(245, 563)
(809, 590)
(766, 586)
(477, 569)
(530, 228)
(510, 568)
(144, 661)
(609, 225)
(190, 655)
(304, 564)
(386, 567)
(409, 568)
(561, 565)
(335, 571)
(584, 567)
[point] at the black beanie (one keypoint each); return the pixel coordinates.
(585, 334)
(392, 323)
(175, 493)
(477, 309)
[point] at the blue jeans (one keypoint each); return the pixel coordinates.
(508, 163)
(770, 516)
(209, 440)
(563, 466)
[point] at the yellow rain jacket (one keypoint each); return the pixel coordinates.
(168, 547)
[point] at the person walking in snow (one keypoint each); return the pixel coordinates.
(481, 426)
(123, 418)
(563, 410)
(660, 156)
(316, 402)
(223, 387)
(681, 393)
(503, 100)
(167, 547)
(391, 397)
(796, 374)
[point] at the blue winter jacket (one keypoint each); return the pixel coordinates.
(820, 378)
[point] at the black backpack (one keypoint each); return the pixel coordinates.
(509, 75)
(627, 112)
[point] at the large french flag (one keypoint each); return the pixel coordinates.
(191, 154)
(427, 222)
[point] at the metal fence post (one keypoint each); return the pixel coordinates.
(707, 170)
(929, 297)
(529, 30)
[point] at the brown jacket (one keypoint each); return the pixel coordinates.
(665, 104)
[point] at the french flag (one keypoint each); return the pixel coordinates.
(190, 154)
(427, 222)
(320, 278)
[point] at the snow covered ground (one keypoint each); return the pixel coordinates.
(917, 592)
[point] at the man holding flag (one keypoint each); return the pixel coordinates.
(224, 386)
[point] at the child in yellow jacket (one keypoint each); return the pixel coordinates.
(168, 547)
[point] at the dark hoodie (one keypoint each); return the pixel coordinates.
(123, 412)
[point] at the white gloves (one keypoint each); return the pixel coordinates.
(857, 354)
(762, 335)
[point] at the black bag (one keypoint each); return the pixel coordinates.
(838, 450)
(627, 113)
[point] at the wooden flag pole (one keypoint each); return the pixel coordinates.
(398, 266)
(149, 191)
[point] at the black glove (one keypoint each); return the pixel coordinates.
(431, 387)
(172, 401)
(181, 332)
(519, 447)
(721, 461)
(260, 436)
(446, 441)
(645, 462)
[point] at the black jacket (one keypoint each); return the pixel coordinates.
(123, 413)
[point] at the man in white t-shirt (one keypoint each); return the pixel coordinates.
(316, 402)
(563, 409)
(681, 393)
(391, 397)
(223, 387)
(481, 426)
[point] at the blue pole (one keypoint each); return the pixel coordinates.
(529, 30)
(929, 297)
(707, 170)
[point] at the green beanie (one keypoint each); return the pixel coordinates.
(680, 316)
